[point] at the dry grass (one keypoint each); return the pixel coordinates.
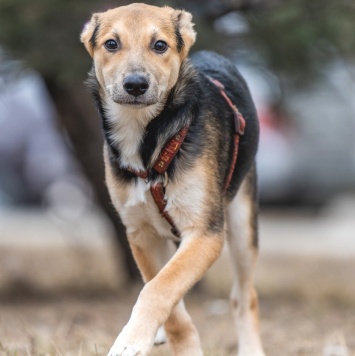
(297, 319)
(290, 325)
(68, 301)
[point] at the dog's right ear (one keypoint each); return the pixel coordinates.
(89, 34)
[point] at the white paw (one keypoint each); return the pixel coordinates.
(130, 343)
(118, 350)
(251, 352)
(160, 337)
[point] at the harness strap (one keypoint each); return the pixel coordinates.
(170, 150)
(158, 193)
(140, 174)
(172, 147)
(161, 165)
(166, 155)
(239, 128)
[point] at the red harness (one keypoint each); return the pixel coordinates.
(239, 128)
(172, 147)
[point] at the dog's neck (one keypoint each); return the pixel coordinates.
(136, 136)
(128, 126)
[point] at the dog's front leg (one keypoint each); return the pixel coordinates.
(158, 297)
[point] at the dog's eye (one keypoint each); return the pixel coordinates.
(160, 46)
(111, 45)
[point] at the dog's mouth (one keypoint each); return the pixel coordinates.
(122, 97)
(138, 103)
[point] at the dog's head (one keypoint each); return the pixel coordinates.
(138, 50)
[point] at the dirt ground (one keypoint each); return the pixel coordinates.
(303, 319)
(70, 299)
(81, 326)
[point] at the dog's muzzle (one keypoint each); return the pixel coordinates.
(135, 90)
(135, 85)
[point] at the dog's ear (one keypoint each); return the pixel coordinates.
(89, 34)
(184, 32)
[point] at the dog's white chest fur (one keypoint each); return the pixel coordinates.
(138, 194)
(127, 130)
(184, 197)
(140, 210)
(185, 204)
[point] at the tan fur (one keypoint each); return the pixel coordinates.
(164, 291)
(193, 195)
(117, 190)
(135, 54)
(243, 254)
(182, 334)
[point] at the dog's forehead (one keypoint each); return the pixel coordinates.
(137, 17)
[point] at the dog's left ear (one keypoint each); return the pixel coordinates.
(184, 32)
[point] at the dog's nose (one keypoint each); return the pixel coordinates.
(135, 84)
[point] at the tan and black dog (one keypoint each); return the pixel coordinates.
(172, 134)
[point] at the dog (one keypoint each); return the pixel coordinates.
(181, 136)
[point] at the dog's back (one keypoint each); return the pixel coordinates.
(218, 67)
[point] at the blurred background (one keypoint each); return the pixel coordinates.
(67, 279)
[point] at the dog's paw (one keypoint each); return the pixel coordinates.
(118, 350)
(257, 351)
(132, 342)
(160, 337)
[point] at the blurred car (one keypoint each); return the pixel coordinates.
(307, 152)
